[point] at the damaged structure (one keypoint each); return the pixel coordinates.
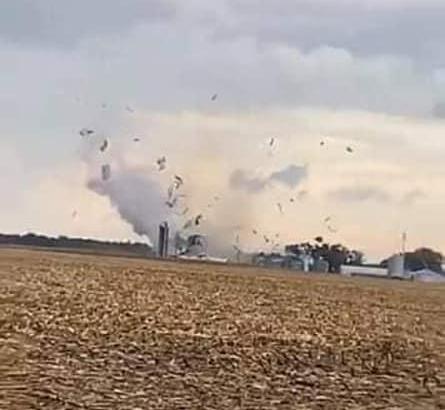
(163, 240)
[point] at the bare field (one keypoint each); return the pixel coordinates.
(85, 332)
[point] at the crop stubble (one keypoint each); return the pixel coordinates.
(108, 333)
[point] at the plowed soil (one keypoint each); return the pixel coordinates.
(85, 332)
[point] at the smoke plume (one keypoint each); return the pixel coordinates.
(138, 200)
(141, 191)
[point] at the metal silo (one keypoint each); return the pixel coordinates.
(396, 266)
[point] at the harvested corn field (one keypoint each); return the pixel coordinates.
(108, 333)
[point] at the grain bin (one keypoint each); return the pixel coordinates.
(396, 266)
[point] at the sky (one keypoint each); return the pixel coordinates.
(316, 76)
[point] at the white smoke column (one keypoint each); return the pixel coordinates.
(137, 198)
(133, 191)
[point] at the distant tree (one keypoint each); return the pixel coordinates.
(335, 255)
(424, 258)
(356, 258)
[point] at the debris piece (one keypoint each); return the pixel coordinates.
(319, 239)
(292, 200)
(327, 219)
(179, 181)
(162, 163)
(106, 172)
(322, 143)
(349, 149)
(136, 139)
(84, 132)
(198, 219)
(280, 208)
(104, 145)
(266, 239)
(271, 141)
(214, 97)
(129, 109)
(188, 224)
(175, 185)
(74, 215)
(254, 231)
(171, 203)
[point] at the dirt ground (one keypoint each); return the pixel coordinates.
(85, 332)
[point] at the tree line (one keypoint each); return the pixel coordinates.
(337, 255)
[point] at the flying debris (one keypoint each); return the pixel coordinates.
(322, 143)
(349, 149)
(106, 172)
(331, 229)
(174, 186)
(254, 231)
(292, 200)
(198, 219)
(104, 145)
(172, 203)
(74, 215)
(266, 239)
(136, 139)
(214, 97)
(271, 142)
(84, 132)
(216, 198)
(170, 191)
(129, 109)
(188, 224)
(319, 239)
(178, 181)
(162, 163)
(104, 105)
(327, 221)
(280, 208)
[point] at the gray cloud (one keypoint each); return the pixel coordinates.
(374, 28)
(439, 110)
(290, 176)
(240, 179)
(360, 194)
(377, 27)
(64, 23)
(179, 64)
(412, 196)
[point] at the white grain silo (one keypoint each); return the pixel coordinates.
(396, 266)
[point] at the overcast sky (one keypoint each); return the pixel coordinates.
(364, 74)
